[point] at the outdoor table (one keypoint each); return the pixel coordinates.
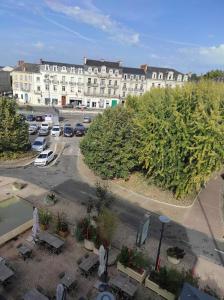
(24, 251)
(89, 263)
(53, 241)
(123, 284)
(5, 272)
(68, 281)
(34, 294)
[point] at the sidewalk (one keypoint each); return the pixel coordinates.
(204, 215)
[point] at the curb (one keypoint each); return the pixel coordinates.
(132, 192)
(11, 166)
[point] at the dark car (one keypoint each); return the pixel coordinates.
(30, 118)
(79, 129)
(39, 118)
(68, 131)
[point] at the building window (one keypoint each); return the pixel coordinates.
(54, 68)
(72, 70)
(125, 76)
(80, 71)
(111, 72)
(94, 91)
(136, 86)
(131, 77)
(103, 69)
(88, 103)
(63, 69)
(124, 86)
(55, 88)
(116, 72)
(141, 87)
(102, 82)
(47, 87)
(115, 82)
(101, 91)
(38, 88)
(93, 104)
(154, 75)
(63, 88)
(46, 67)
(160, 75)
(95, 81)
(72, 89)
(89, 80)
(179, 77)
(90, 70)
(137, 77)
(21, 77)
(114, 92)
(54, 101)
(107, 104)
(25, 77)
(63, 78)
(47, 101)
(101, 103)
(21, 96)
(88, 91)
(110, 82)
(142, 77)
(123, 94)
(95, 71)
(109, 91)
(38, 79)
(72, 79)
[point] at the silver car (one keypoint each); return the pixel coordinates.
(39, 144)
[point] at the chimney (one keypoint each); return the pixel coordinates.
(41, 61)
(20, 62)
(84, 58)
(144, 67)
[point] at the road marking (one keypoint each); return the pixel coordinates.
(217, 250)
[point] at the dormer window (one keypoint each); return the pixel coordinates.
(125, 76)
(179, 77)
(137, 77)
(143, 77)
(131, 77)
(90, 70)
(111, 72)
(46, 67)
(154, 75)
(103, 69)
(95, 70)
(80, 70)
(160, 75)
(185, 78)
(63, 69)
(170, 76)
(72, 70)
(116, 72)
(54, 68)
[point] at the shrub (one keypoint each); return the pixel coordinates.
(175, 252)
(45, 217)
(132, 258)
(61, 223)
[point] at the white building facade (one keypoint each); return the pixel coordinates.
(97, 84)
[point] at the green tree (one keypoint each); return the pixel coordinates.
(214, 74)
(14, 135)
(108, 147)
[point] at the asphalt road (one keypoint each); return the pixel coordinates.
(64, 178)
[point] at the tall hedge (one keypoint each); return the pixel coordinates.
(14, 135)
(176, 136)
(108, 147)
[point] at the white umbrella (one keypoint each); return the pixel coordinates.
(36, 225)
(102, 260)
(60, 292)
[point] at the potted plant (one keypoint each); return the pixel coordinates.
(106, 226)
(45, 218)
(50, 199)
(62, 225)
(133, 263)
(175, 254)
(86, 232)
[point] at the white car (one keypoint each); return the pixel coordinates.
(44, 158)
(45, 126)
(56, 130)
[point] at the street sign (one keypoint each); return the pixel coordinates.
(143, 231)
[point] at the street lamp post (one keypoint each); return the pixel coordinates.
(164, 220)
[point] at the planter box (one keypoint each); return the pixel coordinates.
(131, 273)
(89, 245)
(155, 288)
(173, 260)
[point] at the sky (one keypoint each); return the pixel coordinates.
(187, 35)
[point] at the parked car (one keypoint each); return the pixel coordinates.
(45, 125)
(39, 118)
(43, 132)
(33, 128)
(56, 130)
(69, 105)
(68, 131)
(81, 106)
(87, 119)
(30, 118)
(44, 158)
(40, 144)
(79, 129)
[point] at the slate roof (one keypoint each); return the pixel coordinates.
(59, 64)
(191, 293)
(136, 71)
(27, 67)
(150, 70)
(99, 63)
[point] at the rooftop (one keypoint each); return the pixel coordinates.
(28, 67)
(54, 63)
(99, 63)
(137, 71)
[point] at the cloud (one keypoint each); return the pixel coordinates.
(94, 17)
(39, 45)
(213, 55)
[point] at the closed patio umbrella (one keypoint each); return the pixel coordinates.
(102, 260)
(60, 292)
(36, 225)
